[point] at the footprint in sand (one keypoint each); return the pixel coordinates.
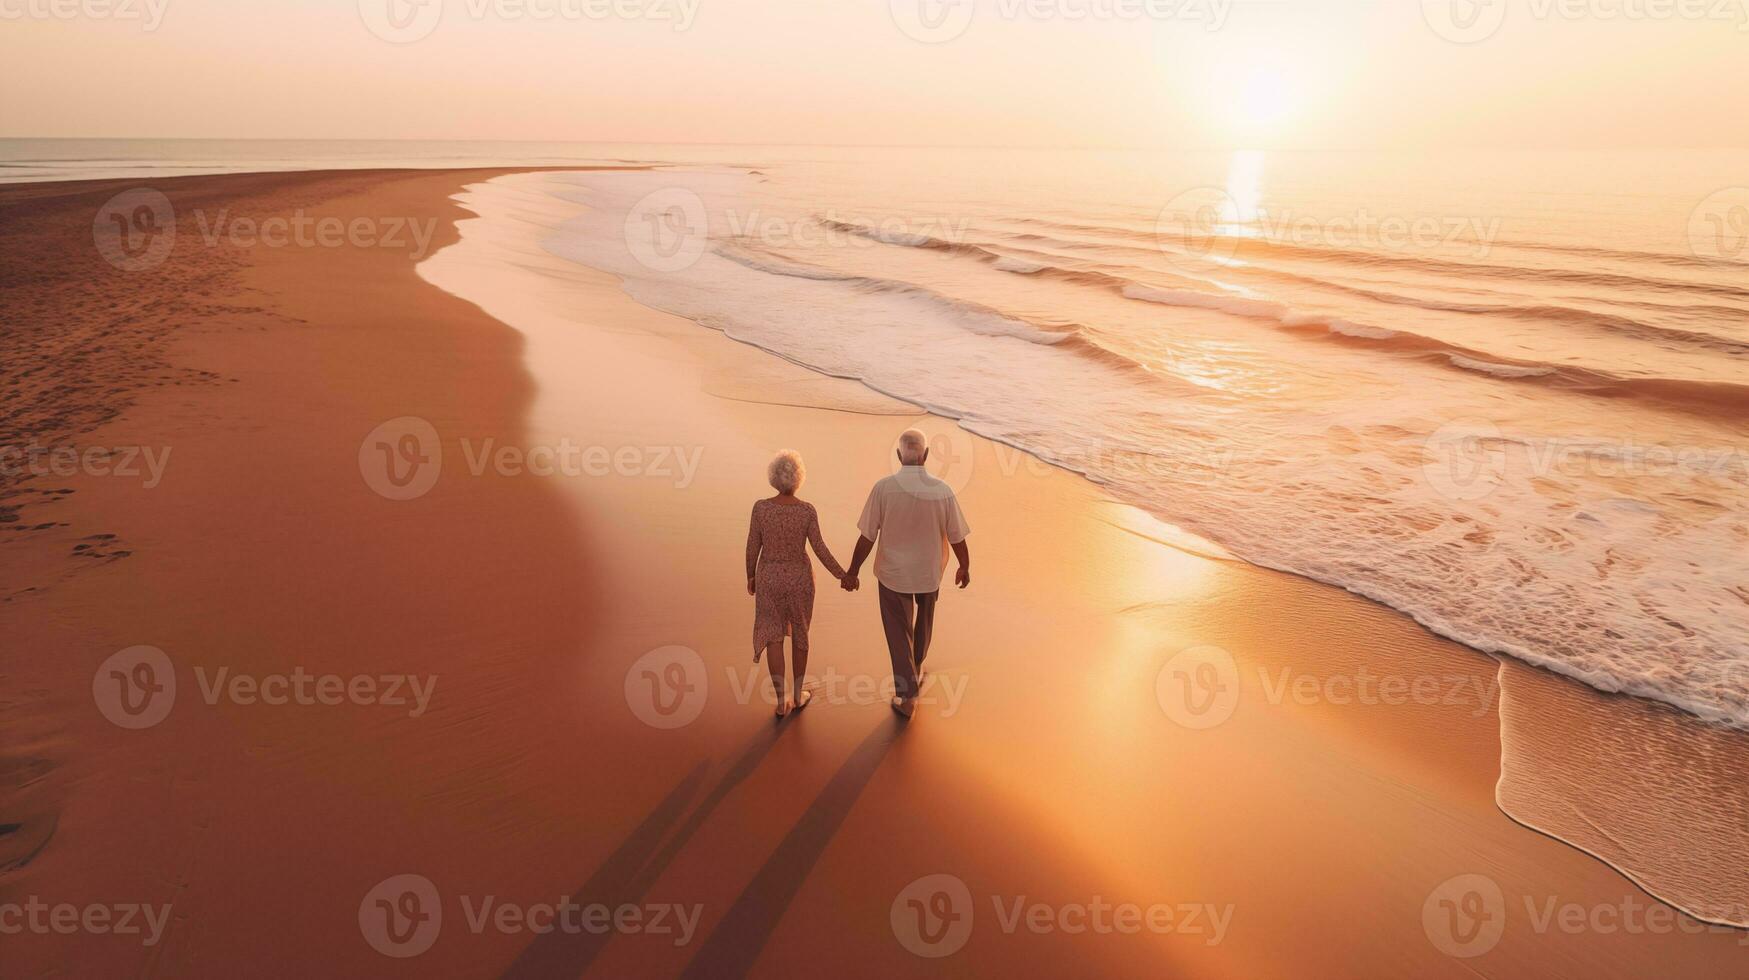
(27, 821)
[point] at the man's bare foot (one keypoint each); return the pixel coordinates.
(803, 699)
(906, 707)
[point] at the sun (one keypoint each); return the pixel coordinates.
(1264, 99)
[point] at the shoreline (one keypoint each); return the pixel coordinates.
(532, 599)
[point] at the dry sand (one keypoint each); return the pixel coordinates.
(1051, 770)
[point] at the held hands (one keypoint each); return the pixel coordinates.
(849, 583)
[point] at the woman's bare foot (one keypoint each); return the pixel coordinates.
(784, 708)
(803, 698)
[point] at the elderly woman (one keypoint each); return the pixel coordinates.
(780, 577)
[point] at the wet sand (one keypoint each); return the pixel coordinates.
(1286, 776)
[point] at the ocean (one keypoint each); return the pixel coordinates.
(1506, 393)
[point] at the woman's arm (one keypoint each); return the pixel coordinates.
(754, 542)
(820, 549)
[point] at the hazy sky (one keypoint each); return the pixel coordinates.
(1196, 73)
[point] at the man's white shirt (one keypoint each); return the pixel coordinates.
(913, 518)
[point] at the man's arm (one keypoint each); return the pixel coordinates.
(863, 547)
(963, 577)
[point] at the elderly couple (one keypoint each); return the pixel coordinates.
(915, 520)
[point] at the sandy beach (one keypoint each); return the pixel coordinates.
(549, 694)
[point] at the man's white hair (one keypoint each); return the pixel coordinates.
(786, 471)
(912, 445)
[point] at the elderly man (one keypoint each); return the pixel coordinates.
(916, 519)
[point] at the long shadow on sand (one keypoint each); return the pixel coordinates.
(629, 872)
(735, 944)
(634, 866)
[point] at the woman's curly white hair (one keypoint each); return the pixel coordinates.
(786, 471)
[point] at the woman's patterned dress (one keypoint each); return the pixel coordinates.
(777, 561)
